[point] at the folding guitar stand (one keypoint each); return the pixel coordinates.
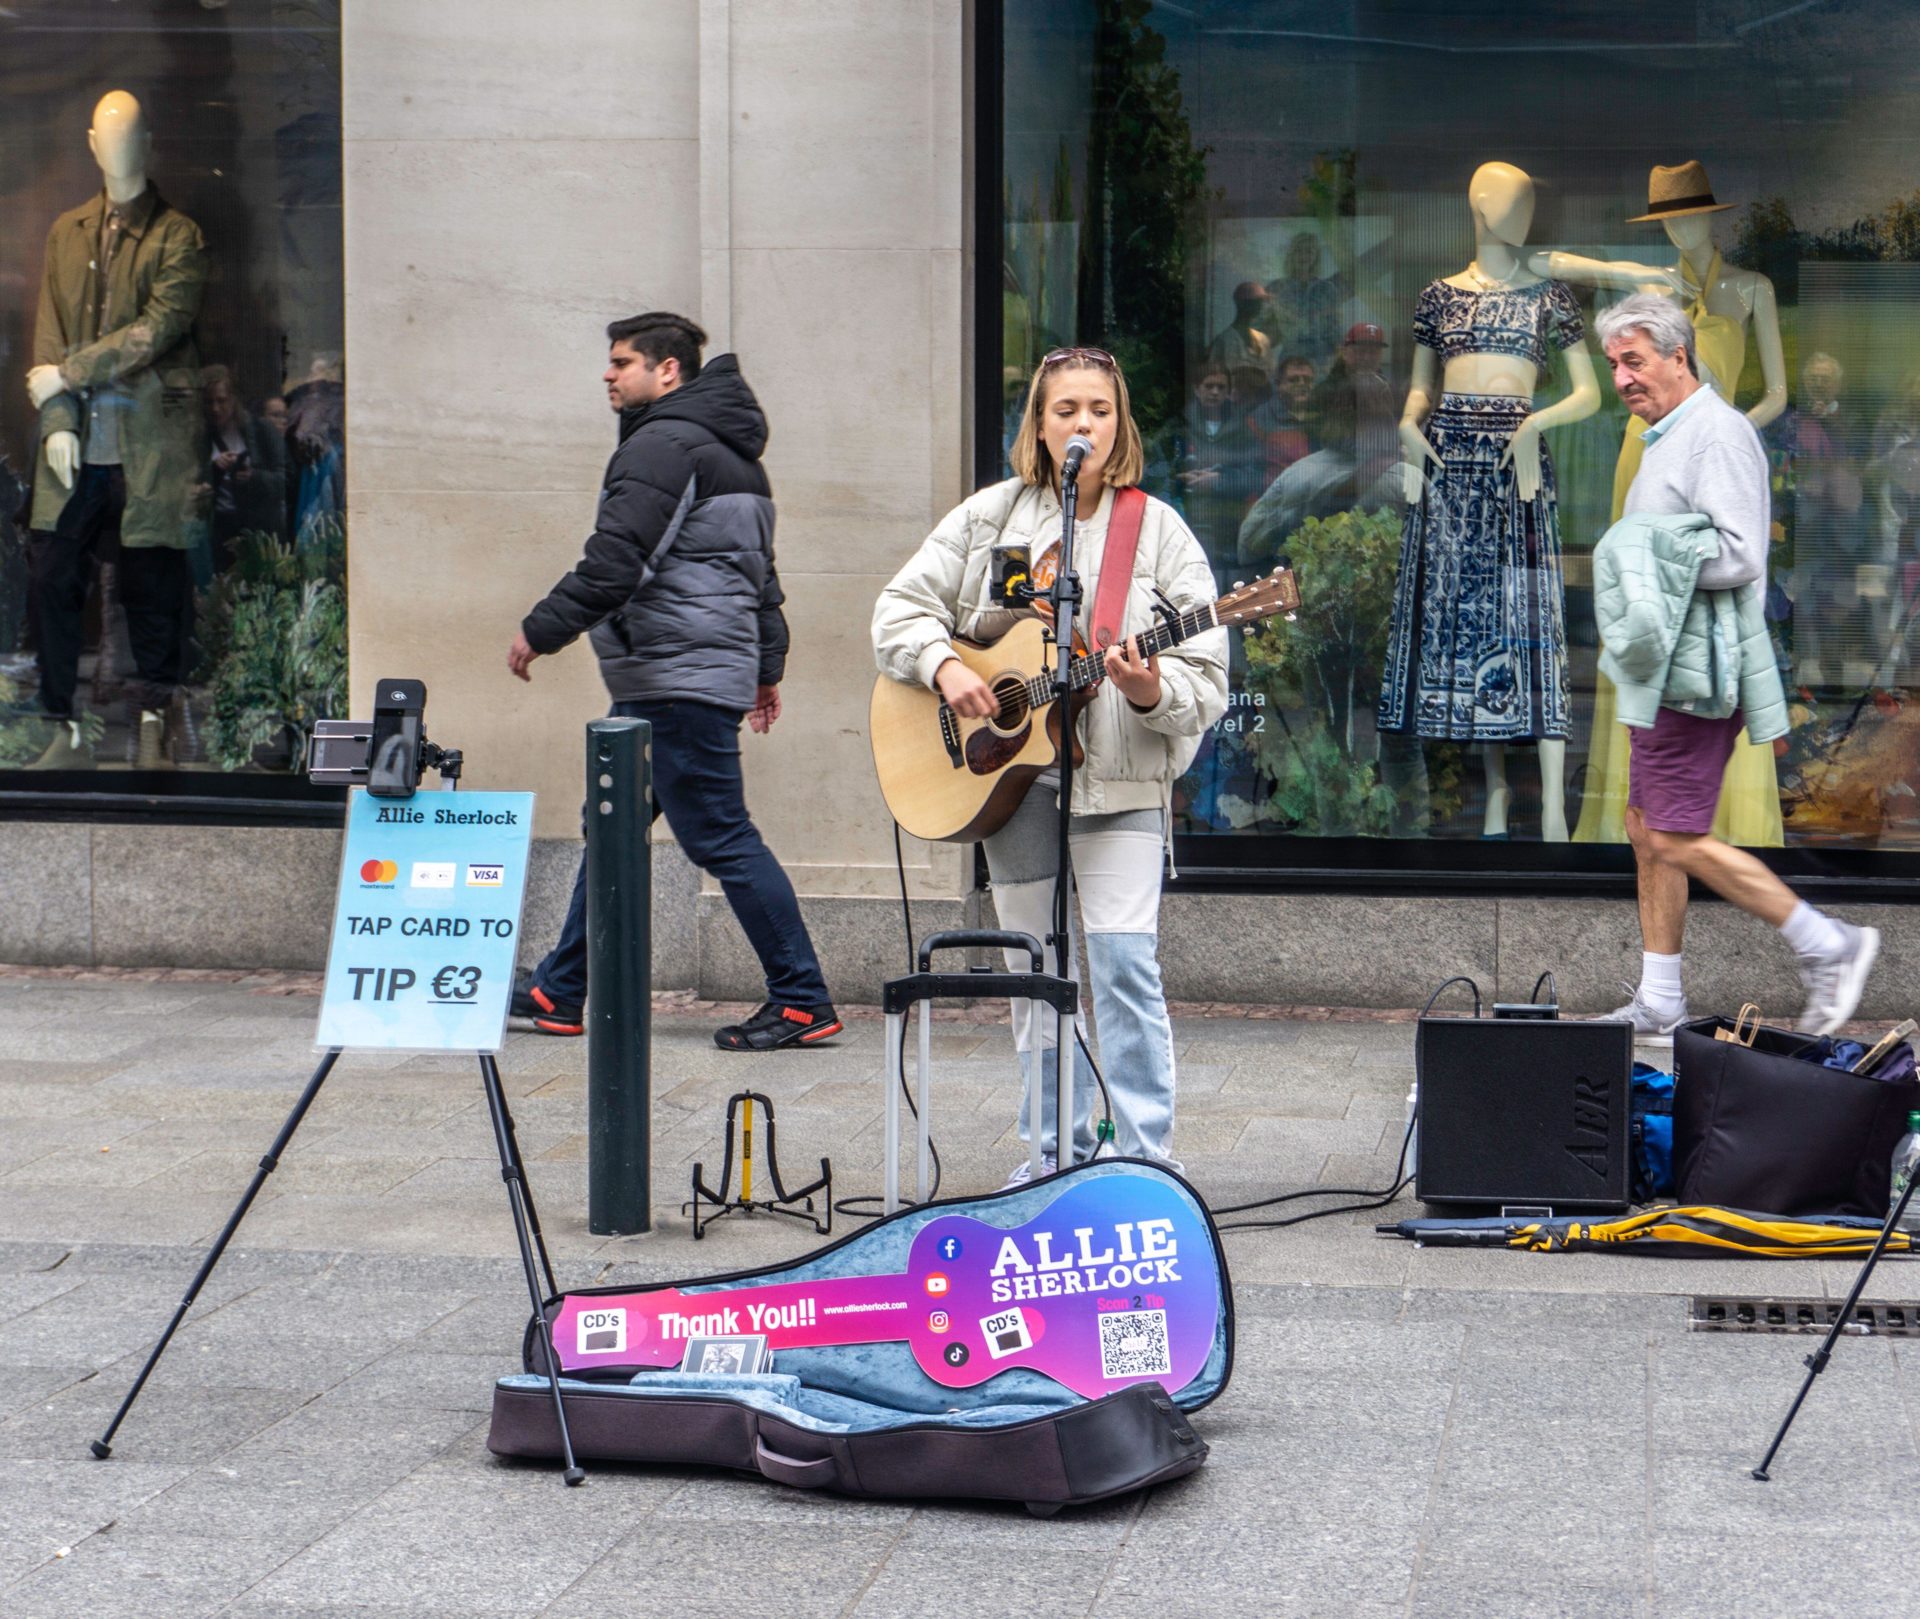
(796, 1205)
(526, 1227)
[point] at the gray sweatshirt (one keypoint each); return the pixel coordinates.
(1706, 457)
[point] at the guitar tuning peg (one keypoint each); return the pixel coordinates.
(1239, 584)
(1291, 617)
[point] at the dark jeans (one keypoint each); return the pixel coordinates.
(155, 591)
(696, 785)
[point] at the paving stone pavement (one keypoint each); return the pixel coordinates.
(1407, 1431)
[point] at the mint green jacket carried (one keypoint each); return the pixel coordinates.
(1668, 644)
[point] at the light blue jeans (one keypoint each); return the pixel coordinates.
(1116, 864)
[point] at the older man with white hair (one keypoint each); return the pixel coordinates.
(1704, 456)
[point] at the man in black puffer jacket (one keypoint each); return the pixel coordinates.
(678, 594)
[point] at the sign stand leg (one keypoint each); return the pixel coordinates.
(103, 1446)
(526, 1229)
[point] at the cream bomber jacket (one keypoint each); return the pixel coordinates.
(1132, 757)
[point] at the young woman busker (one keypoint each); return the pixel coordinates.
(1139, 730)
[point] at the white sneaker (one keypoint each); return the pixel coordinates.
(1834, 983)
(1023, 1171)
(1650, 1027)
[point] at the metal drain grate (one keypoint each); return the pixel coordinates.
(1719, 1312)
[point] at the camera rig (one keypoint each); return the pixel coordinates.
(386, 754)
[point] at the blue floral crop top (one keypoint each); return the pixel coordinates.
(1517, 320)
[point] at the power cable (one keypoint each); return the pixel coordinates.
(1377, 1197)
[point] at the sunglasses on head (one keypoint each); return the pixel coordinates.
(1093, 356)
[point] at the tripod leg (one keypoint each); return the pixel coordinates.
(103, 1446)
(1817, 1361)
(520, 1171)
(518, 1202)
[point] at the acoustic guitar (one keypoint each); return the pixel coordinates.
(953, 780)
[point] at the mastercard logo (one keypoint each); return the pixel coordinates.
(379, 871)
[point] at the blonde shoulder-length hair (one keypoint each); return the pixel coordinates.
(1033, 461)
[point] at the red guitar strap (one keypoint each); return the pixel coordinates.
(1116, 567)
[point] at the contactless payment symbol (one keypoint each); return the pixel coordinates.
(602, 1332)
(432, 874)
(937, 1284)
(379, 871)
(1006, 1333)
(939, 1321)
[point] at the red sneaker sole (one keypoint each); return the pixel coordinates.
(549, 1026)
(812, 1035)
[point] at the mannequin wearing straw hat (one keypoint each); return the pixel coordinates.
(1722, 303)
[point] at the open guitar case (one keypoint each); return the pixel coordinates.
(866, 1419)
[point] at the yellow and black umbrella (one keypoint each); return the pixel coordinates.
(1694, 1232)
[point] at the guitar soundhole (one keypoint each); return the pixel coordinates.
(1012, 693)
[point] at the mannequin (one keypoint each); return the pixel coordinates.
(116, 380)
(1723, 304)
(1477, 647)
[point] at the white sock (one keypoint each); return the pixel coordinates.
(1813, 933)
(1660, 986)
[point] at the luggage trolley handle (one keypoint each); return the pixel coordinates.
(900, 994)
(981, 939)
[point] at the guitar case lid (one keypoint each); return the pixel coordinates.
(1063, 1328)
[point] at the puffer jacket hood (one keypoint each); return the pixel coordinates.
(718, 400)
(1666, 643)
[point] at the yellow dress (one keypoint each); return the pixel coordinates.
(1749, 810)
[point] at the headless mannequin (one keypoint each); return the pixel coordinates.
(1501, 197)
(121, 144)
(1745, 296)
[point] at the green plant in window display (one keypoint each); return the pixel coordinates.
(1328, 660)
(274, 647)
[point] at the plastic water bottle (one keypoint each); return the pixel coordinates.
(1906, 1158)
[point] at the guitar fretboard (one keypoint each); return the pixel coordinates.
(1090, 668)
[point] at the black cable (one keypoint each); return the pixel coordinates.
(1379, 1197)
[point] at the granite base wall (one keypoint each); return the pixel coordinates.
(239, 897)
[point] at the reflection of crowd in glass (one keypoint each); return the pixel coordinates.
(275, 471)
(1269, 440)
(1850, 491)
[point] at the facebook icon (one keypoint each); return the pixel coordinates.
(949, 1248)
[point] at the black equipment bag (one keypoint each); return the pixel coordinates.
(1041, 1344)
(1766, 1127)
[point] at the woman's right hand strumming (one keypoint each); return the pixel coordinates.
(966, 693)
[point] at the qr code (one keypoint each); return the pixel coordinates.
(1133, 1343)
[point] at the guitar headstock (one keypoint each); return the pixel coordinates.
(1276, 592)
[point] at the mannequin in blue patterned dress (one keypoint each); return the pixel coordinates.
(1477, 647)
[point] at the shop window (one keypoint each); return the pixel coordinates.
(172, 422)
(1262, 207)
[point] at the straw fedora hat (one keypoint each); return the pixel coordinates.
(1682, 189)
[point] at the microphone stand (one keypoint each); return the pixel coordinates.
(1066, 600)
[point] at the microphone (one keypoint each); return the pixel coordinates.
(1079, 447)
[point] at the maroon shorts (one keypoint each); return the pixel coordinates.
(1675, 769)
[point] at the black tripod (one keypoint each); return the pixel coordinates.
(526, 1226)
(1817, 1361)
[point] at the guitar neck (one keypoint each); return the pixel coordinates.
(1090, 668)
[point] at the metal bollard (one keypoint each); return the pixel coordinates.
(619, 977)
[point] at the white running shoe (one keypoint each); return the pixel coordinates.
(1650, 1028)
(1834, 983)
(1023, 1171)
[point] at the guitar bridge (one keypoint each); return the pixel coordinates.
(950, 734)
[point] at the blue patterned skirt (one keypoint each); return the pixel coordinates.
(1477, 648)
